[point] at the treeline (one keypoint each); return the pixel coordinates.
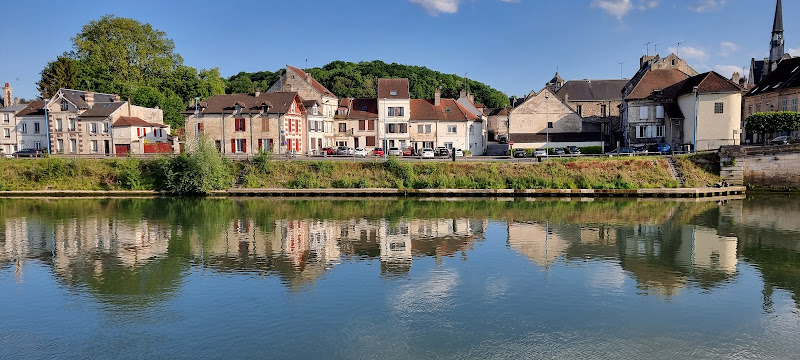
(123, 56)
(359, 80)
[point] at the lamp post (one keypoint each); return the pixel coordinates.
(696, 95)
(47, 125)
(197, 118)
(385, 150)
(547, 119)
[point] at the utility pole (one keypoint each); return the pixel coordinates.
(647, 44)
(678, 50)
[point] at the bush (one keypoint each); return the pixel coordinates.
(591, 150)
(262, 162)
(129, 173)
(198, 172)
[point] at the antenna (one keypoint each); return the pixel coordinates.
(648, 47)
(678, 50)
(655, 52)
(620, 68)
(306, 64)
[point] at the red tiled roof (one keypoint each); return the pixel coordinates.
(134, 121)
(426, 110)
(278, 102)
(655, 80)
(364, 109)
(317, 86)
(345, 103)
(710, 82)
(387, 86)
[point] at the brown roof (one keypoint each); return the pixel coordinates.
(426, 110)
(710, 82)
(103, 109)
(592, 90)
(278, 102)
(34, 108)
(655, 80)
(497, 112)
(345, 103)
(398, 87)
(314, 83)
(78, 97)
(363, 109)
(281, 101)
(134, 121)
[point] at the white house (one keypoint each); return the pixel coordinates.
(394, 102)
(132, 134)
(444, 122)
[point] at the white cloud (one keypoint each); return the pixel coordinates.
(727, 70)
(707, 5)
(434, 7)
(620, 8)
(689, 52)
(793, 52)
(727, 48)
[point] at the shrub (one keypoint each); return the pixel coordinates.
(129, 173)
(198, 172)
(303, 181)
(262, 162)
(591, 150)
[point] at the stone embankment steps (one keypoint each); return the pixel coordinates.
(673, 168)
(240, 179)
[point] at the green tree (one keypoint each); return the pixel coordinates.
(772, 122)
(61, 73)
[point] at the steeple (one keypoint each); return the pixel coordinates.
(776, 44)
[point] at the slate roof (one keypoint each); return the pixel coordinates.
(78, 97)
(655, 80)
(134, 121)
(103, 109)
(497, 112)
(314, 83)
(707, 83)
(592, 90)
(14, 108)
(785, 76)
(279, 103)
(758, 70)
(33, 109)
(777, 25)
(386, 86)
(426, 110)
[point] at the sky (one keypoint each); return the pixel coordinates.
(514, 46)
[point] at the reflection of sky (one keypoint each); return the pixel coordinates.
(496, 301)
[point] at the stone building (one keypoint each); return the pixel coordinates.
(496, 122)
(778, 91)
(356, 124)
(247, 124)
(528, 123)
(297, 80)
(760, 69)
(9, 142)
(597, 102)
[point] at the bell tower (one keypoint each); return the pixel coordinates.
(776, 43)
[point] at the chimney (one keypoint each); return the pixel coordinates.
(258, 93)
(89, 98)
(129, 106)
(437, 97)
(463, 94)
(471, 97)
(735, 78)
(191, 102)
(117, 98)
(7, 96)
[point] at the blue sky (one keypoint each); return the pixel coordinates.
(513, 45)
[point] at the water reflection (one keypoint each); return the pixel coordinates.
(144, 248)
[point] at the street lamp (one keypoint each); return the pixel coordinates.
(47, 125)
(696, 95)
(547, 119)
(385, 150)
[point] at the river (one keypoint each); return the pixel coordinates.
(399, 279)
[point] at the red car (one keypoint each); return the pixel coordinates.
(377, 152)
(408, 152)
(327, 151)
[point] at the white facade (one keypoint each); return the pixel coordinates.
(32, 132)
(395, 114)
(718, 119)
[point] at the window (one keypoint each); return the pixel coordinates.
(362, 124)
(6, 133)
(370, 141)
(72, 124)
(673, 62)
(659, 112)
(392, 128)
(73, 145)
(5, 118)
(94, 128)
(794, 104)
(644, 112)
(580, 110)
(265, 144)
(342, 127)
(449, 145)
(37, 145)
(400, 111)
(239, 145)
(24, 129)
(371, 124)
(94, 145)
(428, 129)
(36, 128)
(420, 129)
(393, 93)
(391, 111)
(718, 108)
(602, 111)
(651, 131)
(659, 131)
(784, 104)
(451, 129)
(60, 145)
(641, 131)
(448, 110)
(64, 105)
(59, 125)
(239, 125)
(265, 124)
(106, 127)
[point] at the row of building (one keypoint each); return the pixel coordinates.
(82, 122)
(298, 114)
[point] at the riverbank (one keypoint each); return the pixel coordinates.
(54, 174)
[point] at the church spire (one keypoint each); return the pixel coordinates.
(776, 44)
(777, 26)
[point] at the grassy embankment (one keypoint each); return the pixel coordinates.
(180, 174)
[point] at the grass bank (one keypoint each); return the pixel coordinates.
(179, 174)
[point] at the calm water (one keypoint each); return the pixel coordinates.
(220, 279)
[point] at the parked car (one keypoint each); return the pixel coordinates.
(503, 139)
(621, 151)
(559, 151)
(539, 152)
(377, 151)
(661, 148)
(341, 150)
(639, 149)
(459, 153)
(328, 151)
(573, 150)
(520, 153)
(409, 151)
(427, 153)
(395, 151)
(360, 152)
(781, 140)
(442, 151)
(28, 153)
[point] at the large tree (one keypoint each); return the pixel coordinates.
(61, 73)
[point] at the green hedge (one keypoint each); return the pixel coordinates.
(770, 122)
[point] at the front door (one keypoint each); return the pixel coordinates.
(107, 146)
